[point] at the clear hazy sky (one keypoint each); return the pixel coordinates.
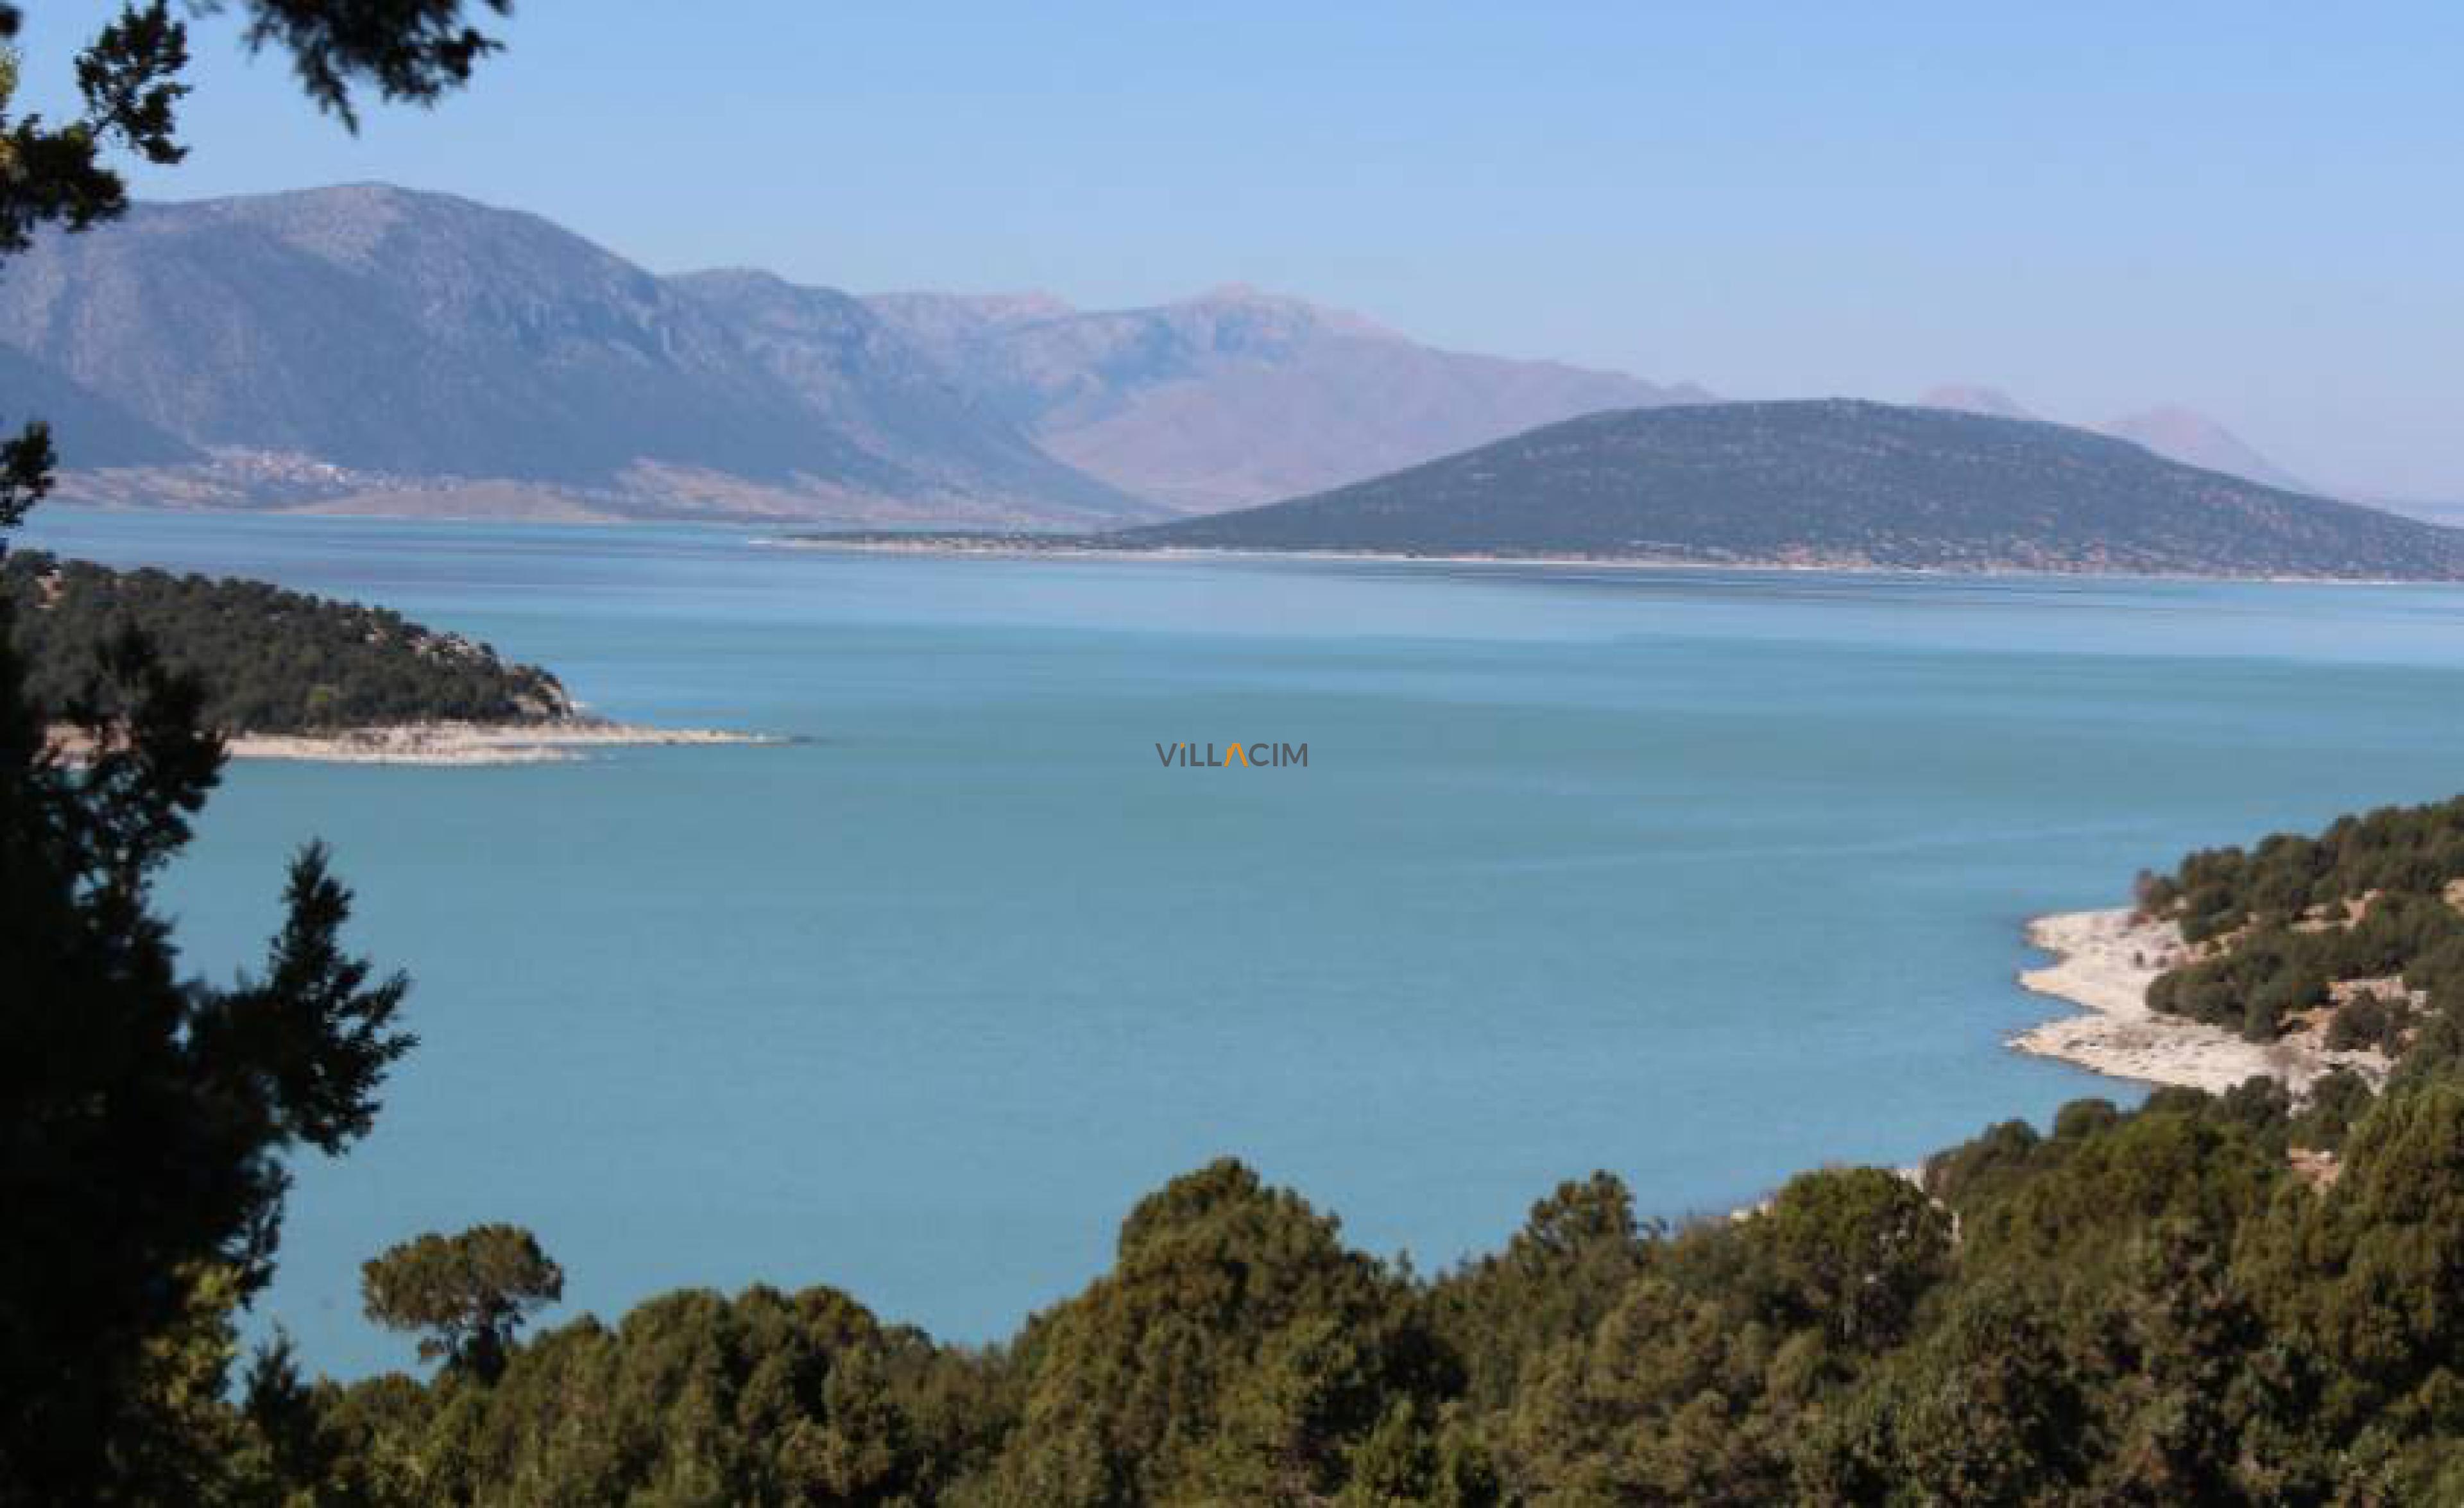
(2256, 209)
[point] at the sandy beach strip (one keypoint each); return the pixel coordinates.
(2103, 963)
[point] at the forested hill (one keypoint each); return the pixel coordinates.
(1839, 482)
(273, 661)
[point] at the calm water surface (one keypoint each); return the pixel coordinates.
(1699, 877)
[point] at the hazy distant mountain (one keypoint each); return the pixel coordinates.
(373, 347)
(389, 342)
(2173, 432)
(947, 326)
(844, 360)
(1840, 482)
(1235, 395)
(2193, 438)
(1968, 398)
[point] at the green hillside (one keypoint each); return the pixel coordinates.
(1838, 482)
(273, 661)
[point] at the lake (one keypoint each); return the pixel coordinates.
(1701, 876)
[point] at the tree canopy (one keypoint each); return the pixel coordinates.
(2148, 1305)
(469, 1292)
(270, 660)
(145, 1117)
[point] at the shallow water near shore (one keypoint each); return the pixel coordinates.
(1700, 877)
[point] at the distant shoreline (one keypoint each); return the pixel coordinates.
(451, 743)
(787, 534)
(1078, 549)
(2103, 961)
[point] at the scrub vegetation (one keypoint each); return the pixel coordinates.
(2363, 923)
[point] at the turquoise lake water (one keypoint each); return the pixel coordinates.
(1699, 877)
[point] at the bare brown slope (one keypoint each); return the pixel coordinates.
(1236, 396)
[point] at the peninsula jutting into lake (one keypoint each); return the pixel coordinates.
(288, 675)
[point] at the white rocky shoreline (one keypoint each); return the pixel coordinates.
(547, 741)
(556, 741)
(2103, 961)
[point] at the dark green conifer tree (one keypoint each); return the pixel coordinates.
(144, 1116)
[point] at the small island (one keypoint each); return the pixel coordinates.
(297, 677)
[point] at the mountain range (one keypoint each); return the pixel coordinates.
(1237, 397)
(370, 343)
(373, 347)
(2170, 430)
(1838, 482)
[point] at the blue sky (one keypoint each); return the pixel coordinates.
(2257, 211)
